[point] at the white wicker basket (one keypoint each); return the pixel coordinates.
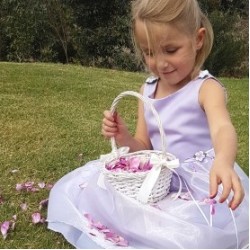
(148, 186)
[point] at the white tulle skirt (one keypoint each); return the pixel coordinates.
(90, 215)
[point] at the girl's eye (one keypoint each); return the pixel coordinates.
(170, 51)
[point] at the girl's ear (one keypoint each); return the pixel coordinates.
(200, 36)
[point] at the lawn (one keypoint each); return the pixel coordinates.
(50, 116)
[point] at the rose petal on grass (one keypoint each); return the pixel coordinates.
(29, 184)
(24, 206)
(14, 171)
(36, 217)
(33, 189)
(49, 186)
(5, 226)
(41, 185)
(13, 222)
(43, 203)
(42, 220)
(19, 186)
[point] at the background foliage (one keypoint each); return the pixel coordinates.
(97, 33)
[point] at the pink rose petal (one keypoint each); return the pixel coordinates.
(24, 206)
(49, 186)
(29, 184)
(109, 235)
(36, 218)
(41, 185)
(122, 242)
(43, 204)
(212, 203)
(116, 239)
(212, 210)
(19, 187)
(5, 226)
(89, 219)
(98, 225)
(42, 220)
(105, 231)
(33, 189)
(133, 164)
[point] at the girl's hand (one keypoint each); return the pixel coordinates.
(229, 179)
(114, 126)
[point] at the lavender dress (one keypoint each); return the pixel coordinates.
(91, 214)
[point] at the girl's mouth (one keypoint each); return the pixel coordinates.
(168, 72)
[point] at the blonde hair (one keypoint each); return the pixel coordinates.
(185, 14)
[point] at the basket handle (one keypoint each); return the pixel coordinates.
(149, 104)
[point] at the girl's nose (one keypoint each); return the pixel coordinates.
(161, 60)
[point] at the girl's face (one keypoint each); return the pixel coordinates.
(170, 54)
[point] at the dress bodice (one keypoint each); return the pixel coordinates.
(184, 121)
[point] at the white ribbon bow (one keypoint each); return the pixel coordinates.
(147, 186)
(115, 153)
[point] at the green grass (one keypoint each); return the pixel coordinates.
(50, 118)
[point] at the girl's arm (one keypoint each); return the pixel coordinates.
(224, 139)
(114, 126)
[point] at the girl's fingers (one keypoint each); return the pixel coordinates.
(238, 194)
(108, 132)
(213, 186)
(108, 115)
(108, 135)
(226, 190)
(109, 128)
(108, 123)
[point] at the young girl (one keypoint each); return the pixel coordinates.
(173, 38)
